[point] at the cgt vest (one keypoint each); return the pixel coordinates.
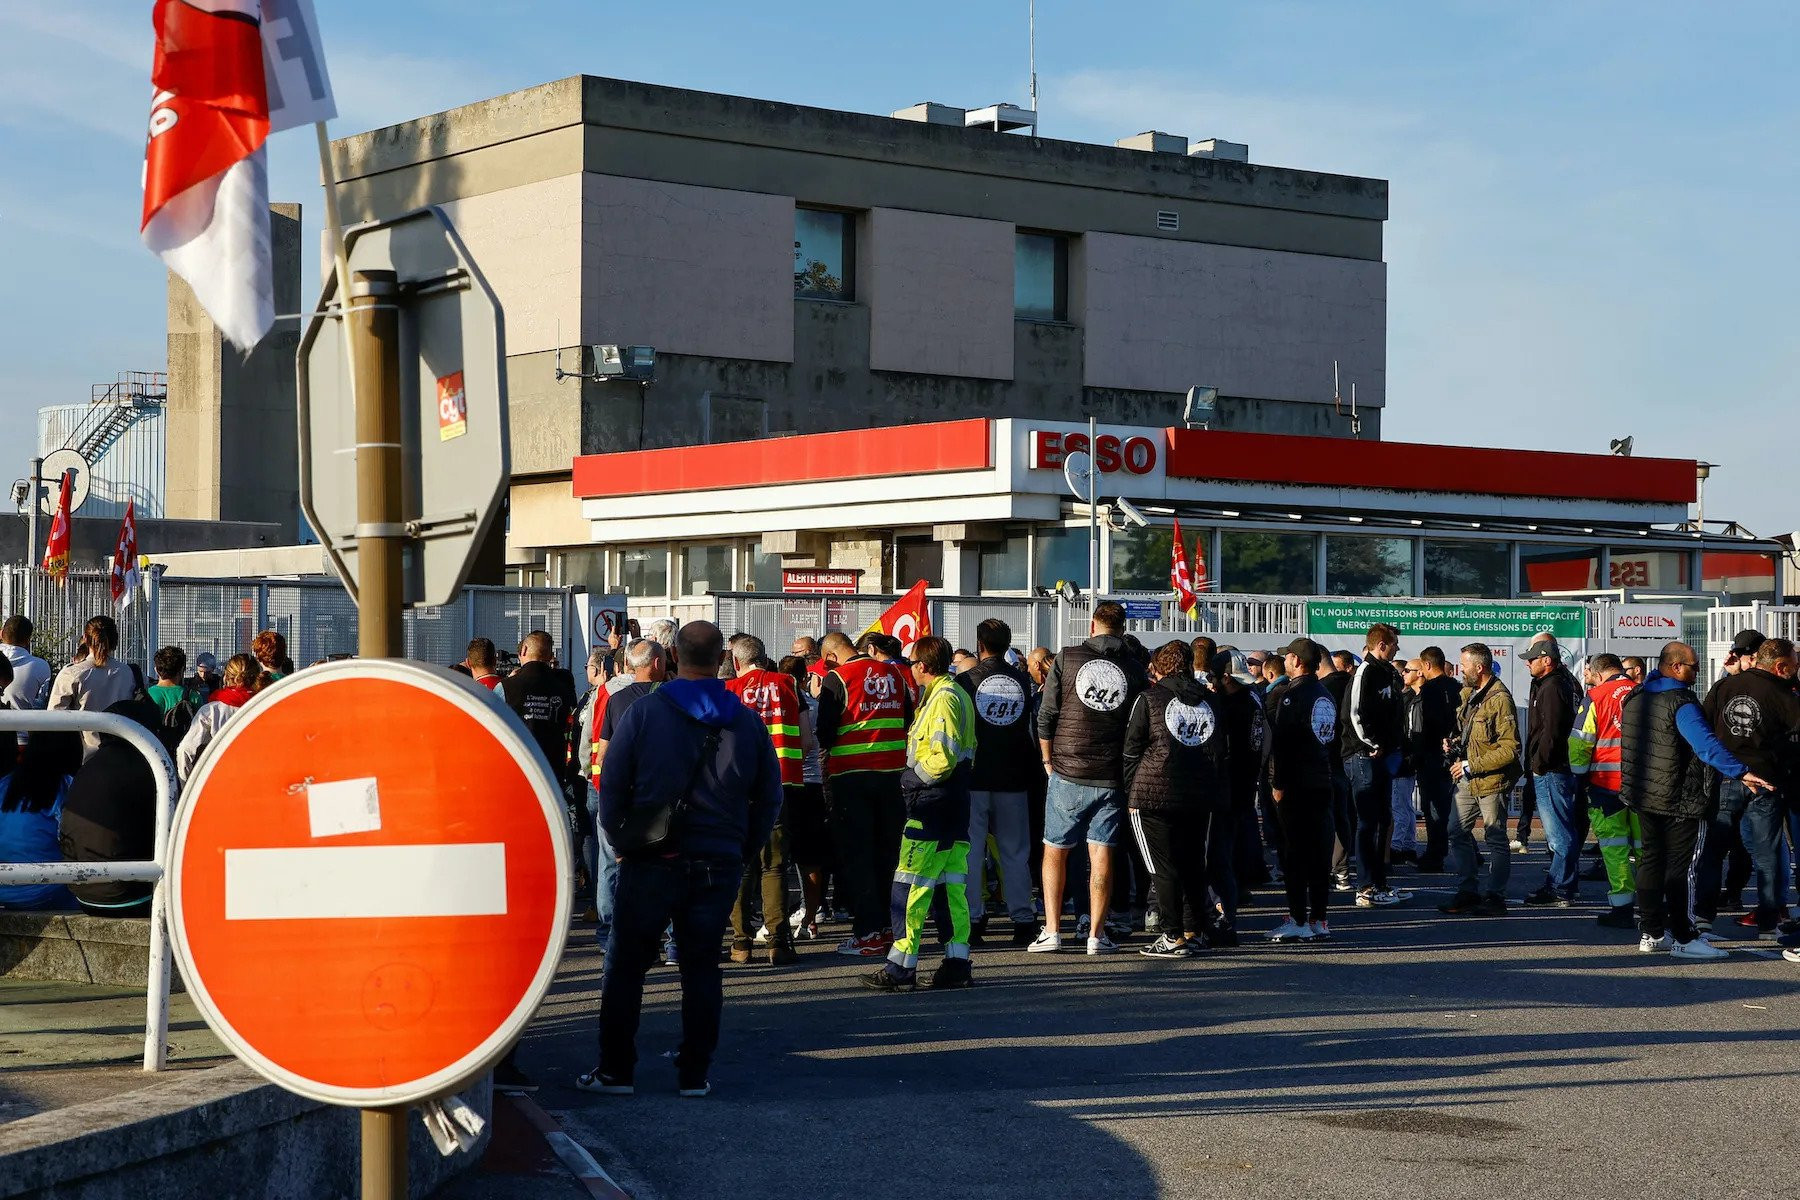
(772, 696)
(1006, 750)
(1094, 708)
(1180, 769)
(1661, 773)
(871, 735)
(1609, 715)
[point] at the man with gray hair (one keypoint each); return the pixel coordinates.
(648, 665)
(1484, 761)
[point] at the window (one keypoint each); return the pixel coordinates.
(1558, 569)
(1062, 553)
(644, 571)
(1636, 567)
(1142, 557)
(705, 569)
(1477, 570)
(916, 559)
(1368, 566)
(583, 568)
(1278, 564)
(1742, 576)
(824, 255)
(764, 570)
(1006, 564)
(1040, 277)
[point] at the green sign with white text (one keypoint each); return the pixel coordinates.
(1467, 619)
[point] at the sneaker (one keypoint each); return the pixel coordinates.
(605, 1085)
(1290, 931)
(869, 945)
(762, 935)
(797, 918)
(1152, 921)
(1344, 883)
(1102, 945)
(889, 978)
(1698, 948)
(1023, 935)
(952, 973)
(1082, 924)
(669, 953)
(1752, 920)
(695, 1091)
(1491, 905)
(1619, 916)
(1047, 942)
(1366, 898)
(1461, 905)
(1546, 897)
(1655, 945)
(1386, 897)
(1166, 947)
(1516, 846)
(740, 952)
(1792, 956)
(1321, 931)
(807, 932)
(1711, 938)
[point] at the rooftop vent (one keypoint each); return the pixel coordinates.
(929, 112)
(1220, 148)
(1161, 143)
(1001, 118)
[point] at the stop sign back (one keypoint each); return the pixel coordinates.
(369, 882)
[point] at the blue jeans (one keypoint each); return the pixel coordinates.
(603, 869)
(1556, 810)
(696, 894)
(1756, 818)
(1764, 818)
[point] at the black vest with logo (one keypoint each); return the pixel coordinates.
(1183, 765)
(1098, 686)
(1006, 751)
(1662, 774)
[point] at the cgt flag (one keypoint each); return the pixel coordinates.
(125, 559)
(909, 619)
(1179, 578)
(1198, 573)
(56, 554)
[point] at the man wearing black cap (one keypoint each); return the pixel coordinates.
(1301, 736)
(1755, 713)
(1550, 718)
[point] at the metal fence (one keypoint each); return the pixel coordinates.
(1723, 624)
(316, 616)
(779, 619)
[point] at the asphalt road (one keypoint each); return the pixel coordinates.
(1419, 1056)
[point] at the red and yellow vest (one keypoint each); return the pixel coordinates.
(772, 696)
(871, 735)
(1609, 719)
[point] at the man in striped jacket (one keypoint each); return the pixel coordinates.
(775, 700)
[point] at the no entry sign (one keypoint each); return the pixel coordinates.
(369, 882)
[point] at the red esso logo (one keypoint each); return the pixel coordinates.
(1135, 455)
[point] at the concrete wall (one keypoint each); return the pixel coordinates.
(1260, 324)
(689, 270)
(940, 294)
(527, 242)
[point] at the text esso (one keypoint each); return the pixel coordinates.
(1135, 455)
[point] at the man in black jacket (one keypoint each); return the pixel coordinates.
(543, 695)
(1301, 729)
(1550, 716)
(1336, 683)
(1757, 716)
(1439, 697)
(1004, 764)
(1372, 733)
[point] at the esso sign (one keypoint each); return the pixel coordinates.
(1135, 455)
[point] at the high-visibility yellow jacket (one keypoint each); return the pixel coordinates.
(943, 732)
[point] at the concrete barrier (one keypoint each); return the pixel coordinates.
(222, 1131)
(76, 948)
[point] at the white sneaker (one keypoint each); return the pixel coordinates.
(1711, 938)
(1082, 924)
(1697, 949)
(1655, 945)
(1792, 956)
(1290, 931)
(1366, 898)
(1321, 931)
(1048, 941)
(797, 918)
(1102, 945)
(762, 936)
(1389, 896)
(1517, 847)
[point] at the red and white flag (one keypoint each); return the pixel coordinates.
(206, 179)
(56, 552)
(125, 559)
(1179, 578)
(909, 619)
(1199, 569)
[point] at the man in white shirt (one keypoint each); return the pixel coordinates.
(99, 681)
(30, 686)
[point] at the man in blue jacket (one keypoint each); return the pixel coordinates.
(690, 739)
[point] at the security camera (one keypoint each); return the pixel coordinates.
(1130, 512)
(20, 490)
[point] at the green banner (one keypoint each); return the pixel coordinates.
(1475, 619)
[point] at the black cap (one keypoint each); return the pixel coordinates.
(1543, 649)
(1748, 641)
(1300, 645)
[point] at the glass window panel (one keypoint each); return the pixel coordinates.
(1040, 277)
(1006, 564)
(765, 570)
(916, 559)
(1558, 569)
(584, 568)
(1270, 563)
(1478, 570)
(705, 569)
(824, 258)
(1140, 558)
(1742, 576)
(1062, 553)
(1368, 566)
(645, 571)
(1636, 567)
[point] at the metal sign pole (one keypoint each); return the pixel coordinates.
(372, 330)
(31, 531)
(1093, 499)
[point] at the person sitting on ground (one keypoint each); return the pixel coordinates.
(238, 684)
(110, 816)
(31, 801)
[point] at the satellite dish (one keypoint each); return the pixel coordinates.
(1078, 471)
(55, 464)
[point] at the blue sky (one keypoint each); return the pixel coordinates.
(1592, 229)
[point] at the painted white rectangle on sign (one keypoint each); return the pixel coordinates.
(309, 883)
(343, 806)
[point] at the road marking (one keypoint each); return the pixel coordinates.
(570, 1152)
(334, 882)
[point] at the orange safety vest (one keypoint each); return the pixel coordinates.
(772, 696)
(1609, 745)
(871, 735)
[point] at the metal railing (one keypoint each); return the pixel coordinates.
(151, 871)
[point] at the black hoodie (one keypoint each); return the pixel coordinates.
(1175, 749)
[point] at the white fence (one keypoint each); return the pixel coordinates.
(151, 871)
(1723, 624)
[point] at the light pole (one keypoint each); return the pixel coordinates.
(1701, 471)
(34, 496)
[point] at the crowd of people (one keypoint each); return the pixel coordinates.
(1034, 800)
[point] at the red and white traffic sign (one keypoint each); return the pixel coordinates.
(369, 882)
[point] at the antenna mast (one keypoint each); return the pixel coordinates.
(1033, 46)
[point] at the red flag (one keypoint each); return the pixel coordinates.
(206, 185)
(1199, 573)
(909, 619)
(1178, 577)
(125, 559)
(56, 554)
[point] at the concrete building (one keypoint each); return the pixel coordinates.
(802, 270)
